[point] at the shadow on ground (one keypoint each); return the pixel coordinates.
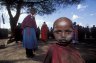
(14, 61)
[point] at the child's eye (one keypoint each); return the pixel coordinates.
(58, 31)
(68, 31)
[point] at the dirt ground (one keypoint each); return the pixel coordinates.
(14, 54)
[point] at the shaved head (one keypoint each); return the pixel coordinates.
(63, 30)
(63, 21)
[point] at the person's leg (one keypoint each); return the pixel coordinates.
(16, 44)
(31, 53)
(27, 52)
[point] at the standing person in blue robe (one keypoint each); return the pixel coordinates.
(29, 34)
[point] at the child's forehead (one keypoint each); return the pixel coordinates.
(63, 28)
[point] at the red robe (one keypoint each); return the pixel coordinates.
(61, 54)
(44, 32)
(29, 21)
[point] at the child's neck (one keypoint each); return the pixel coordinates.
(63, 44)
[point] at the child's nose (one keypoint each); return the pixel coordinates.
(63, 34)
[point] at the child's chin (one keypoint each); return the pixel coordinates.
(64, 41)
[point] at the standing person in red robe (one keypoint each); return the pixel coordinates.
(44, 32)
(63, 51)
(29, 28)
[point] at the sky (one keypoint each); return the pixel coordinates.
(84, 14)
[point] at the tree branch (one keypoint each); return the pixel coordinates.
(19, 5)
(9, 11)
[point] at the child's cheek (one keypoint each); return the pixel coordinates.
(69, 37)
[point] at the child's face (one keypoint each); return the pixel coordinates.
(63, 32)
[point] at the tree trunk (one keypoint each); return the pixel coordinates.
(13, 20)
(12, 25)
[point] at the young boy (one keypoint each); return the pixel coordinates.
(63, 51)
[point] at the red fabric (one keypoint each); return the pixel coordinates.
(61, 54)
(44, 32)
(29, 21)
